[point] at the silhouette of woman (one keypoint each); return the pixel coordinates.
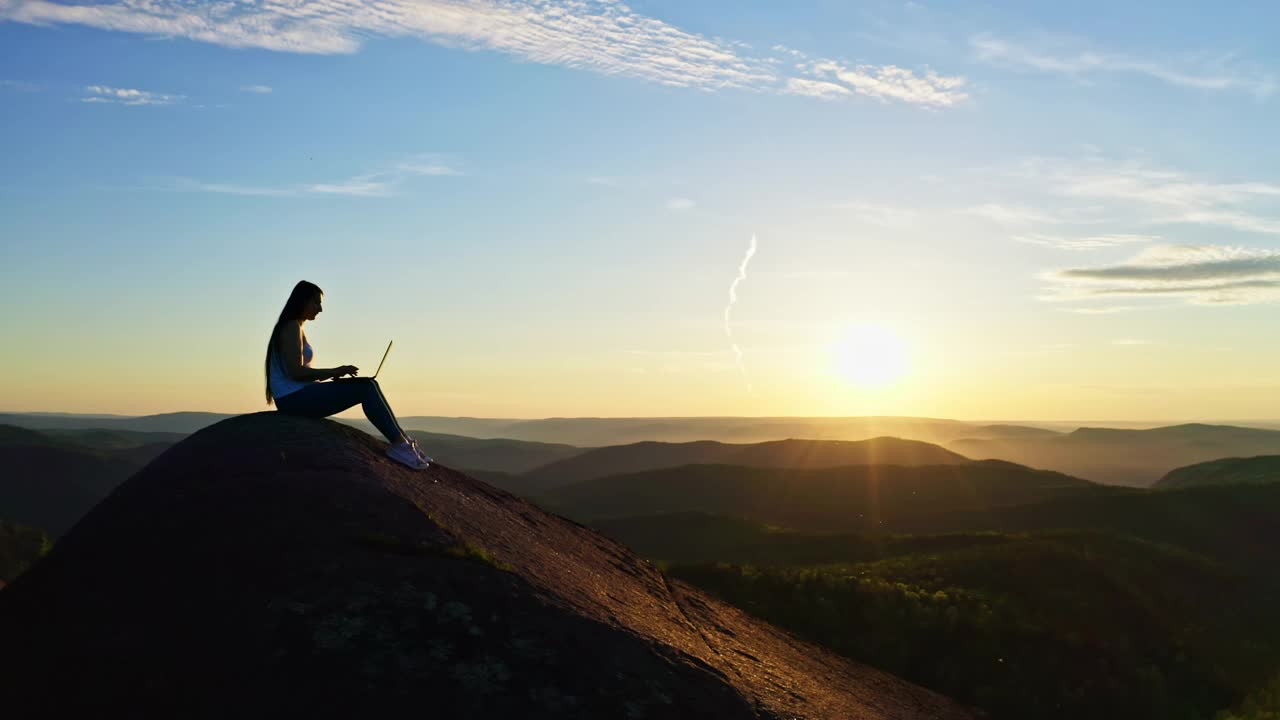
(297, 389)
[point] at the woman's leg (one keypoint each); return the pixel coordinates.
(329, 398)
(374, 405)
(319, 400)
(376, 408)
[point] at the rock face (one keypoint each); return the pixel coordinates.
(270, 566)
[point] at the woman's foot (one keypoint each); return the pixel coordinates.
(418, 449)
(405, 454)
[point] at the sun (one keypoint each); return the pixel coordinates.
(869, 356)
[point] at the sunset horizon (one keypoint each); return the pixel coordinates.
(884, 209)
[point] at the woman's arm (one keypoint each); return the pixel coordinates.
(291, 354)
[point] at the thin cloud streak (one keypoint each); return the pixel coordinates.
(128, 96)
(1155, 196)
(378, 184)
(1085, 62)
(1010, 214)
(359, 187)
(681, 361)
(1203, 274)
(728, 309)
(431, 165)
(19, 85)
(885, 216)
(1092, 242)
(192, 185)
(1109, 310)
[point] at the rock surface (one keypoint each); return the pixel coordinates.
(284, 567)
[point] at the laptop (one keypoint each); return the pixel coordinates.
(384, 359)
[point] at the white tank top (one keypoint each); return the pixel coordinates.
(281, 383)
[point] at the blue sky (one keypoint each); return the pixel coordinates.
(1062, 212)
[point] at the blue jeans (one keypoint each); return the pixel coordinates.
(323, 399)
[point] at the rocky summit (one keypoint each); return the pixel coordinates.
(271, 566)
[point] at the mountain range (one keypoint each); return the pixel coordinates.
(1133, 456)
(1113, 456)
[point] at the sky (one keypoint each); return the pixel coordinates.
(988, 211)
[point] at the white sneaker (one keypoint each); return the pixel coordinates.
(418, 449)
(403, 453)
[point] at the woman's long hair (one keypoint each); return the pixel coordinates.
(302, 293)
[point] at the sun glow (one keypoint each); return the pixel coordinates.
(869, 356)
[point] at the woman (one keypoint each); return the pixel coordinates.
(296, 388)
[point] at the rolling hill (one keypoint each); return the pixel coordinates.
(808, 454)
(1261, 469)
(499, 455)
(50, 481)
(864, 498)
(1236, 524)
(177, 422)
(1137, 458)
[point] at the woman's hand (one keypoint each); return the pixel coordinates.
(345, 370)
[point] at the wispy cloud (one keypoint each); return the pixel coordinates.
(1091, 242)
(1160, 187)
(1220, 74)
(1128, 195)
(192, 185)
(1164, 196)
(728, 310)
(258, 89)
(128, 96)
(19, 85)
(1011, 214)
(1201, 274)
(883, 215)
(820, 89)
(426, 164)
(375, 184)
(1106, 310)
(604, 36)
(361, 186)
(808, 275)
(1130, 341)
(680, 361)
(600, 35)
(885, 82)
(680, 204)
